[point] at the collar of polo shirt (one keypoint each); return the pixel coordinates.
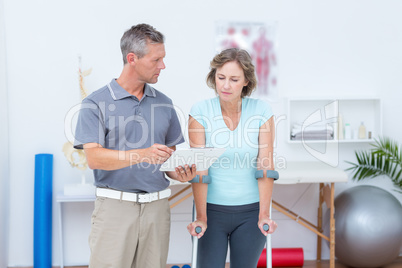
(119, 93)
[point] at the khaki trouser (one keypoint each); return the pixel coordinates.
(125, 234)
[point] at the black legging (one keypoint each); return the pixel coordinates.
(236, 225)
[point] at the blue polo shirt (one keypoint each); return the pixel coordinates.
(233, 174)
(117, 120)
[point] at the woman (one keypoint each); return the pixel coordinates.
(235, 204)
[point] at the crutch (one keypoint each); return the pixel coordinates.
(275, 175)
(205, 179)
(269, 246)
(198, 230)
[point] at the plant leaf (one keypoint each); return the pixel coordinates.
(385, 158)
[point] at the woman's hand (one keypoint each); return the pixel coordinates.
(198, 223)
(272, 226)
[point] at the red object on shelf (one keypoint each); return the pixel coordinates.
(283, 257)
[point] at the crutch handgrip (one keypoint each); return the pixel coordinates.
(265, 227)
(198, 229)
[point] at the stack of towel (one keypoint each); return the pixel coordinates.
(312, 132)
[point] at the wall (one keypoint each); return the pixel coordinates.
(4, 153)
(325, 48)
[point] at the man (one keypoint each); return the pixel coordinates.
(127, 129)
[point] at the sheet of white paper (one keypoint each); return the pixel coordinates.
(203, 158)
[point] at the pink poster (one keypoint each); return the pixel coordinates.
(258, 38)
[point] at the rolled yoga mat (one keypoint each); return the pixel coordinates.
(43, 211)
(283, 257)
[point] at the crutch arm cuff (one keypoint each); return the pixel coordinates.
(270, 174)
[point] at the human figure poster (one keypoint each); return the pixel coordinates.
(258, 38)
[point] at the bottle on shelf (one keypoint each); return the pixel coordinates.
(362, 131)
(348, 131)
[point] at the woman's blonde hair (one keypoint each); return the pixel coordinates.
(240, 56)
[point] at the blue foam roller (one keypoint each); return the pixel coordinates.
(43, 211)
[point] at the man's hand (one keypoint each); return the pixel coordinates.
(156, 154)
(184, 174)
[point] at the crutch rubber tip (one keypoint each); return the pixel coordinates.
(265, 227)
(198, 229)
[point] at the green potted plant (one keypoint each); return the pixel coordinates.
(384, 158)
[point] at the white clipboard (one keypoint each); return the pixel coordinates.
(203, 158)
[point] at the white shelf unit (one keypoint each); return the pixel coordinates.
(352, 110)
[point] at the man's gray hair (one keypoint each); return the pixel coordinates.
(135, 40)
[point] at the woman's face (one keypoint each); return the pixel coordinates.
(230, 80)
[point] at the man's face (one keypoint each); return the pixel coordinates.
(149, 67)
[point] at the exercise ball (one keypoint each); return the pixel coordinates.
(368, 227)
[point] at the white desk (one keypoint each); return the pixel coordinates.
(60, 199)
(326, 176)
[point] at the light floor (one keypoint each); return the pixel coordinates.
(307, 264)
(322, 264)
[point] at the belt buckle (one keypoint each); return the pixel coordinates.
(146, 198)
